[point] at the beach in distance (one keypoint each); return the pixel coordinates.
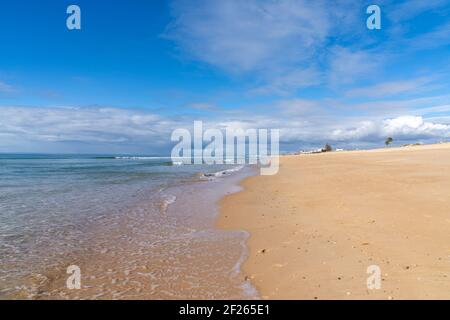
(327, 223)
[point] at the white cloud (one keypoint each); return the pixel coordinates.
(203, 106)
(348, 66)
(93, 125)
(402, 128)
(363, 130)
(410, 126)
(7, 88)
(298, 107)
(439, 37)
(391, 88)
(280, 43)
(301, 122)
(246, 35)
(282, 46)
(290, 81)
(410, 9)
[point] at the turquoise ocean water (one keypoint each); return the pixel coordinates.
(116, 216)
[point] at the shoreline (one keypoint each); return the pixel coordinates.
(163, 246)
(317, 225)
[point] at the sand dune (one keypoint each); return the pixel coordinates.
(320, 222)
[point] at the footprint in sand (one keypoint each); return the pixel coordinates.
(279, 265)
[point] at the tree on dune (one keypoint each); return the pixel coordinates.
(327, 148)
(388, 141)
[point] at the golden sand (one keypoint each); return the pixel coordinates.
(320, 222)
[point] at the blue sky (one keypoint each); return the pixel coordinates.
(137, 70)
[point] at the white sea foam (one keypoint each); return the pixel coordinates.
(223, 173)
(167, 201)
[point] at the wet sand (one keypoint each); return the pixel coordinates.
(317, 225)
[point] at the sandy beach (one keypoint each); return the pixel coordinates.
(325, 218)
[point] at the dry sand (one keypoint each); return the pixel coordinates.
(320, 222)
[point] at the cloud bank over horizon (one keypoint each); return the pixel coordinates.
(139, 131)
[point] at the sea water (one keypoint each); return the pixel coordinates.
(137, 227)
